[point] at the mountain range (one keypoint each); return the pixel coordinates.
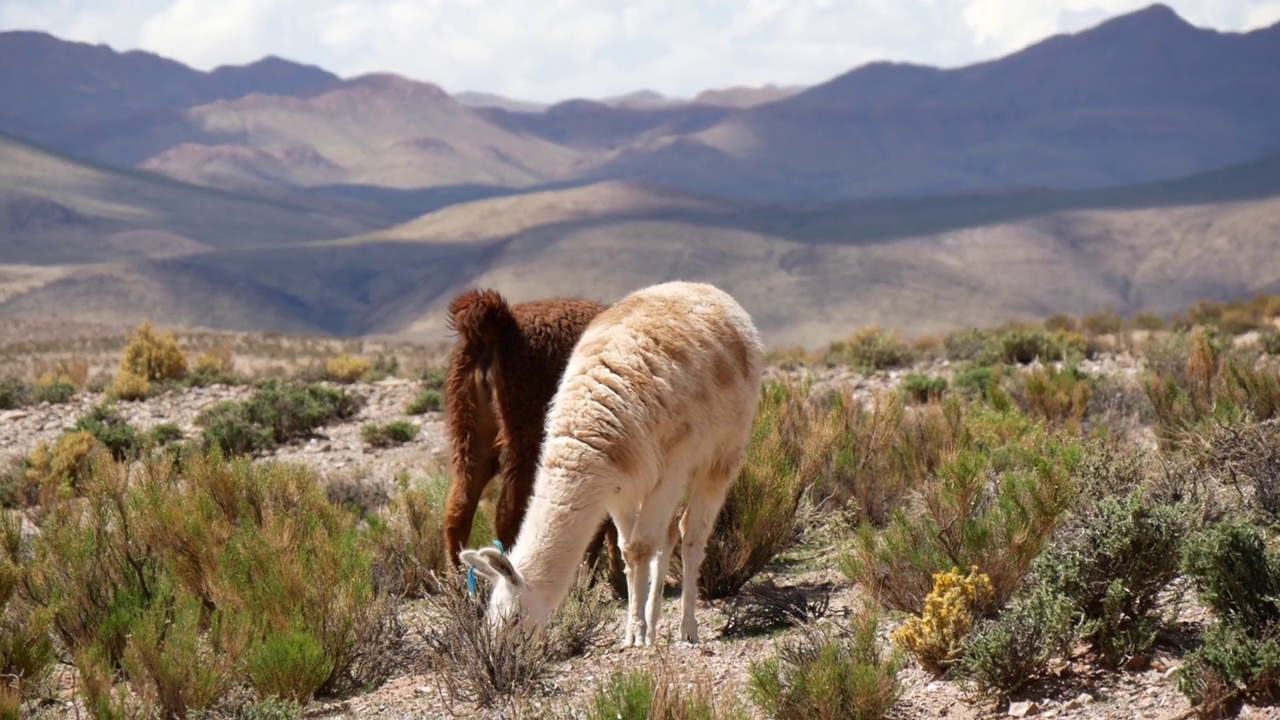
(1134, 164)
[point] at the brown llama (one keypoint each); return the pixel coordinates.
(503, 372)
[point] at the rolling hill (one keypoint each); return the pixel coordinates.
(376, 129)
(807, 273)
(58, 210)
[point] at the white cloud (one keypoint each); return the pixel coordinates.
(555, 49)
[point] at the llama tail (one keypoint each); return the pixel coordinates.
(478, 317)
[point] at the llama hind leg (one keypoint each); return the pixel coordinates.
(705, 500)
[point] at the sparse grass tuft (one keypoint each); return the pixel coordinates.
(427, 400)
(648, 695)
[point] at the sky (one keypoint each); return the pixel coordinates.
(550, 50)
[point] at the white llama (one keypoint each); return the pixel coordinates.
(657, 399)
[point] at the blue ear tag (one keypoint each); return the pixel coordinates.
(471, 571)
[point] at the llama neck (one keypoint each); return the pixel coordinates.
(558, 527)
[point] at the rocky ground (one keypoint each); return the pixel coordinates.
(339, 455)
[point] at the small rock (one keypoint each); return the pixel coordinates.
(1079, 701)
(11, 415)
(1023, 709)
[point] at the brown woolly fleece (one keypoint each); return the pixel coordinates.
(503, 372)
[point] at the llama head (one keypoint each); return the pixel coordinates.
(510, 592)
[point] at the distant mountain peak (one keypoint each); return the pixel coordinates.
(1157, 18)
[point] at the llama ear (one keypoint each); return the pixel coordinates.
(500, 564)
(481, 564)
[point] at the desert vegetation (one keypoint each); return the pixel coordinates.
(1023, 514)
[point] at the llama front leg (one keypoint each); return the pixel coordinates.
(625, 523)
(699, 519)
(662, 564)
(639, 557)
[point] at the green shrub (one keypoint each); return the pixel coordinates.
(1269, 341)
(823, 677)
(1025, 346)
(1003, 654)
(972, 346)
(112, 430)
(983, 382)
(992, 501)
(292, 665)
(427, 400)
(277, 413)
(26, 653)
(759, 517)
(433, 379)
(175, 574)
(870, 348)
(271, 708)
(923, 388)
(408, 541)
(1060, 397)
(54, 392)
(1112, 565)
(1239, 579)
(166, 659)
(1234, 574)
(14, 394)
(397, 432)
(164, 434)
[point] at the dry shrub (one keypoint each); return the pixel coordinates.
(1059, 396)
(129, 386)
(765, 606)
(1245, 456)
(937, 636)
(346, 369)
(215, 364)
(993, 501)
(784, 456)
(153, 357)
(72, 370)
(881, 454)
(480, 664)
